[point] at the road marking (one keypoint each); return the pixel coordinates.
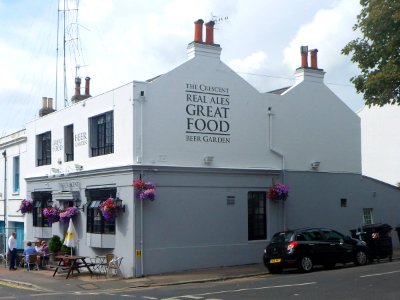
(191, 297)
(379, 274)
(250, 289)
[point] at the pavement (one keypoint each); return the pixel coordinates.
(44, 281)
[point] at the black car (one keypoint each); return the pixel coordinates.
(307, 247)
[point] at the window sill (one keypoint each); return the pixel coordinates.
(100, 240)
(42, 232)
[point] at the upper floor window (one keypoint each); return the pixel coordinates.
(69, 142)
(257, 216)
(16, 174)
(43, 142)
(102, 134)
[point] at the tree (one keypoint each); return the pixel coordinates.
(377, 52)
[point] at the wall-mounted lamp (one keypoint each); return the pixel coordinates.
(119, 204)
(80, 208)
(208, 160)
(78, 167)
(50, 202)
(315, 165)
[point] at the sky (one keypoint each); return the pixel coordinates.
(118, 41)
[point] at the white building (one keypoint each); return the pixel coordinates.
(381, 143)
(12, 185)
(212, 144)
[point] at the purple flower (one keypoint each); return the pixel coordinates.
(68, 213)
(51, 214)
(25, 206)
(148, 194)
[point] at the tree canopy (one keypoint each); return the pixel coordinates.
(377, 52)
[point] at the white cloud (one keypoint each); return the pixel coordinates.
(329, 32)
(252, 63)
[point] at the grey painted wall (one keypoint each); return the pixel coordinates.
(315, 201)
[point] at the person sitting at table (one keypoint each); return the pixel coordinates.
(45, 254)
(29, 250)
(38, 246)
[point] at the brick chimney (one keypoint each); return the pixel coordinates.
(78, 97)
(207, 48)
(306, 72)
(47, 106)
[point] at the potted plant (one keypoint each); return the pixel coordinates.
(51, 214)
(109, 209)
(278, 191)
(68, 213)
(26, 206)
(55, 245)
(144, 190)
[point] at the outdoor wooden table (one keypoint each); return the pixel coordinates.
(71, 263)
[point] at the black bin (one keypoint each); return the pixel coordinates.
(378, 238)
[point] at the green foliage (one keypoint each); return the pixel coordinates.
(55, 244)
(377, 52)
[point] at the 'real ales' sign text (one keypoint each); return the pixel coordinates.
(207, 113)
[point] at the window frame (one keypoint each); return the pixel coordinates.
(368, 216)
(69, 142)
(95, 222)
(257, 215)
(101, 134)
(16, 174)
(40, 200)
(43, 149)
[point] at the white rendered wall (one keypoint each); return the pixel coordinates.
(381, 143)
(310, 123)
(119, 100)
(205, 85)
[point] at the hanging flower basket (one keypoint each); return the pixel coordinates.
(67, 214)
(51, 214)
(144, 190)
(278, 191)
(26, 207)
(109, 209)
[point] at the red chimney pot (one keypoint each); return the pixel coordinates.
(314, 62)
(198, 31)
(77, 86)
(87, 86)
(304, 56)
(210, 32)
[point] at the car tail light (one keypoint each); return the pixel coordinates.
(291, 246)
(375, 235)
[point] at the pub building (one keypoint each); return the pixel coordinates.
(212, 145)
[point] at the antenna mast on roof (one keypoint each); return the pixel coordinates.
(217, 19)
(70, 29)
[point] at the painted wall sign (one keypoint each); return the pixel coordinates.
(207, 113)
(70, 186)
(80, 139)
(57, 145)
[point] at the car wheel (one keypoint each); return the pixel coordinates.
(274, 269)
(361, 258)
(305, 264)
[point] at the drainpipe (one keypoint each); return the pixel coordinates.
(276, 152)
(5, 199)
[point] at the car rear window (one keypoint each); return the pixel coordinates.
(282, 237)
